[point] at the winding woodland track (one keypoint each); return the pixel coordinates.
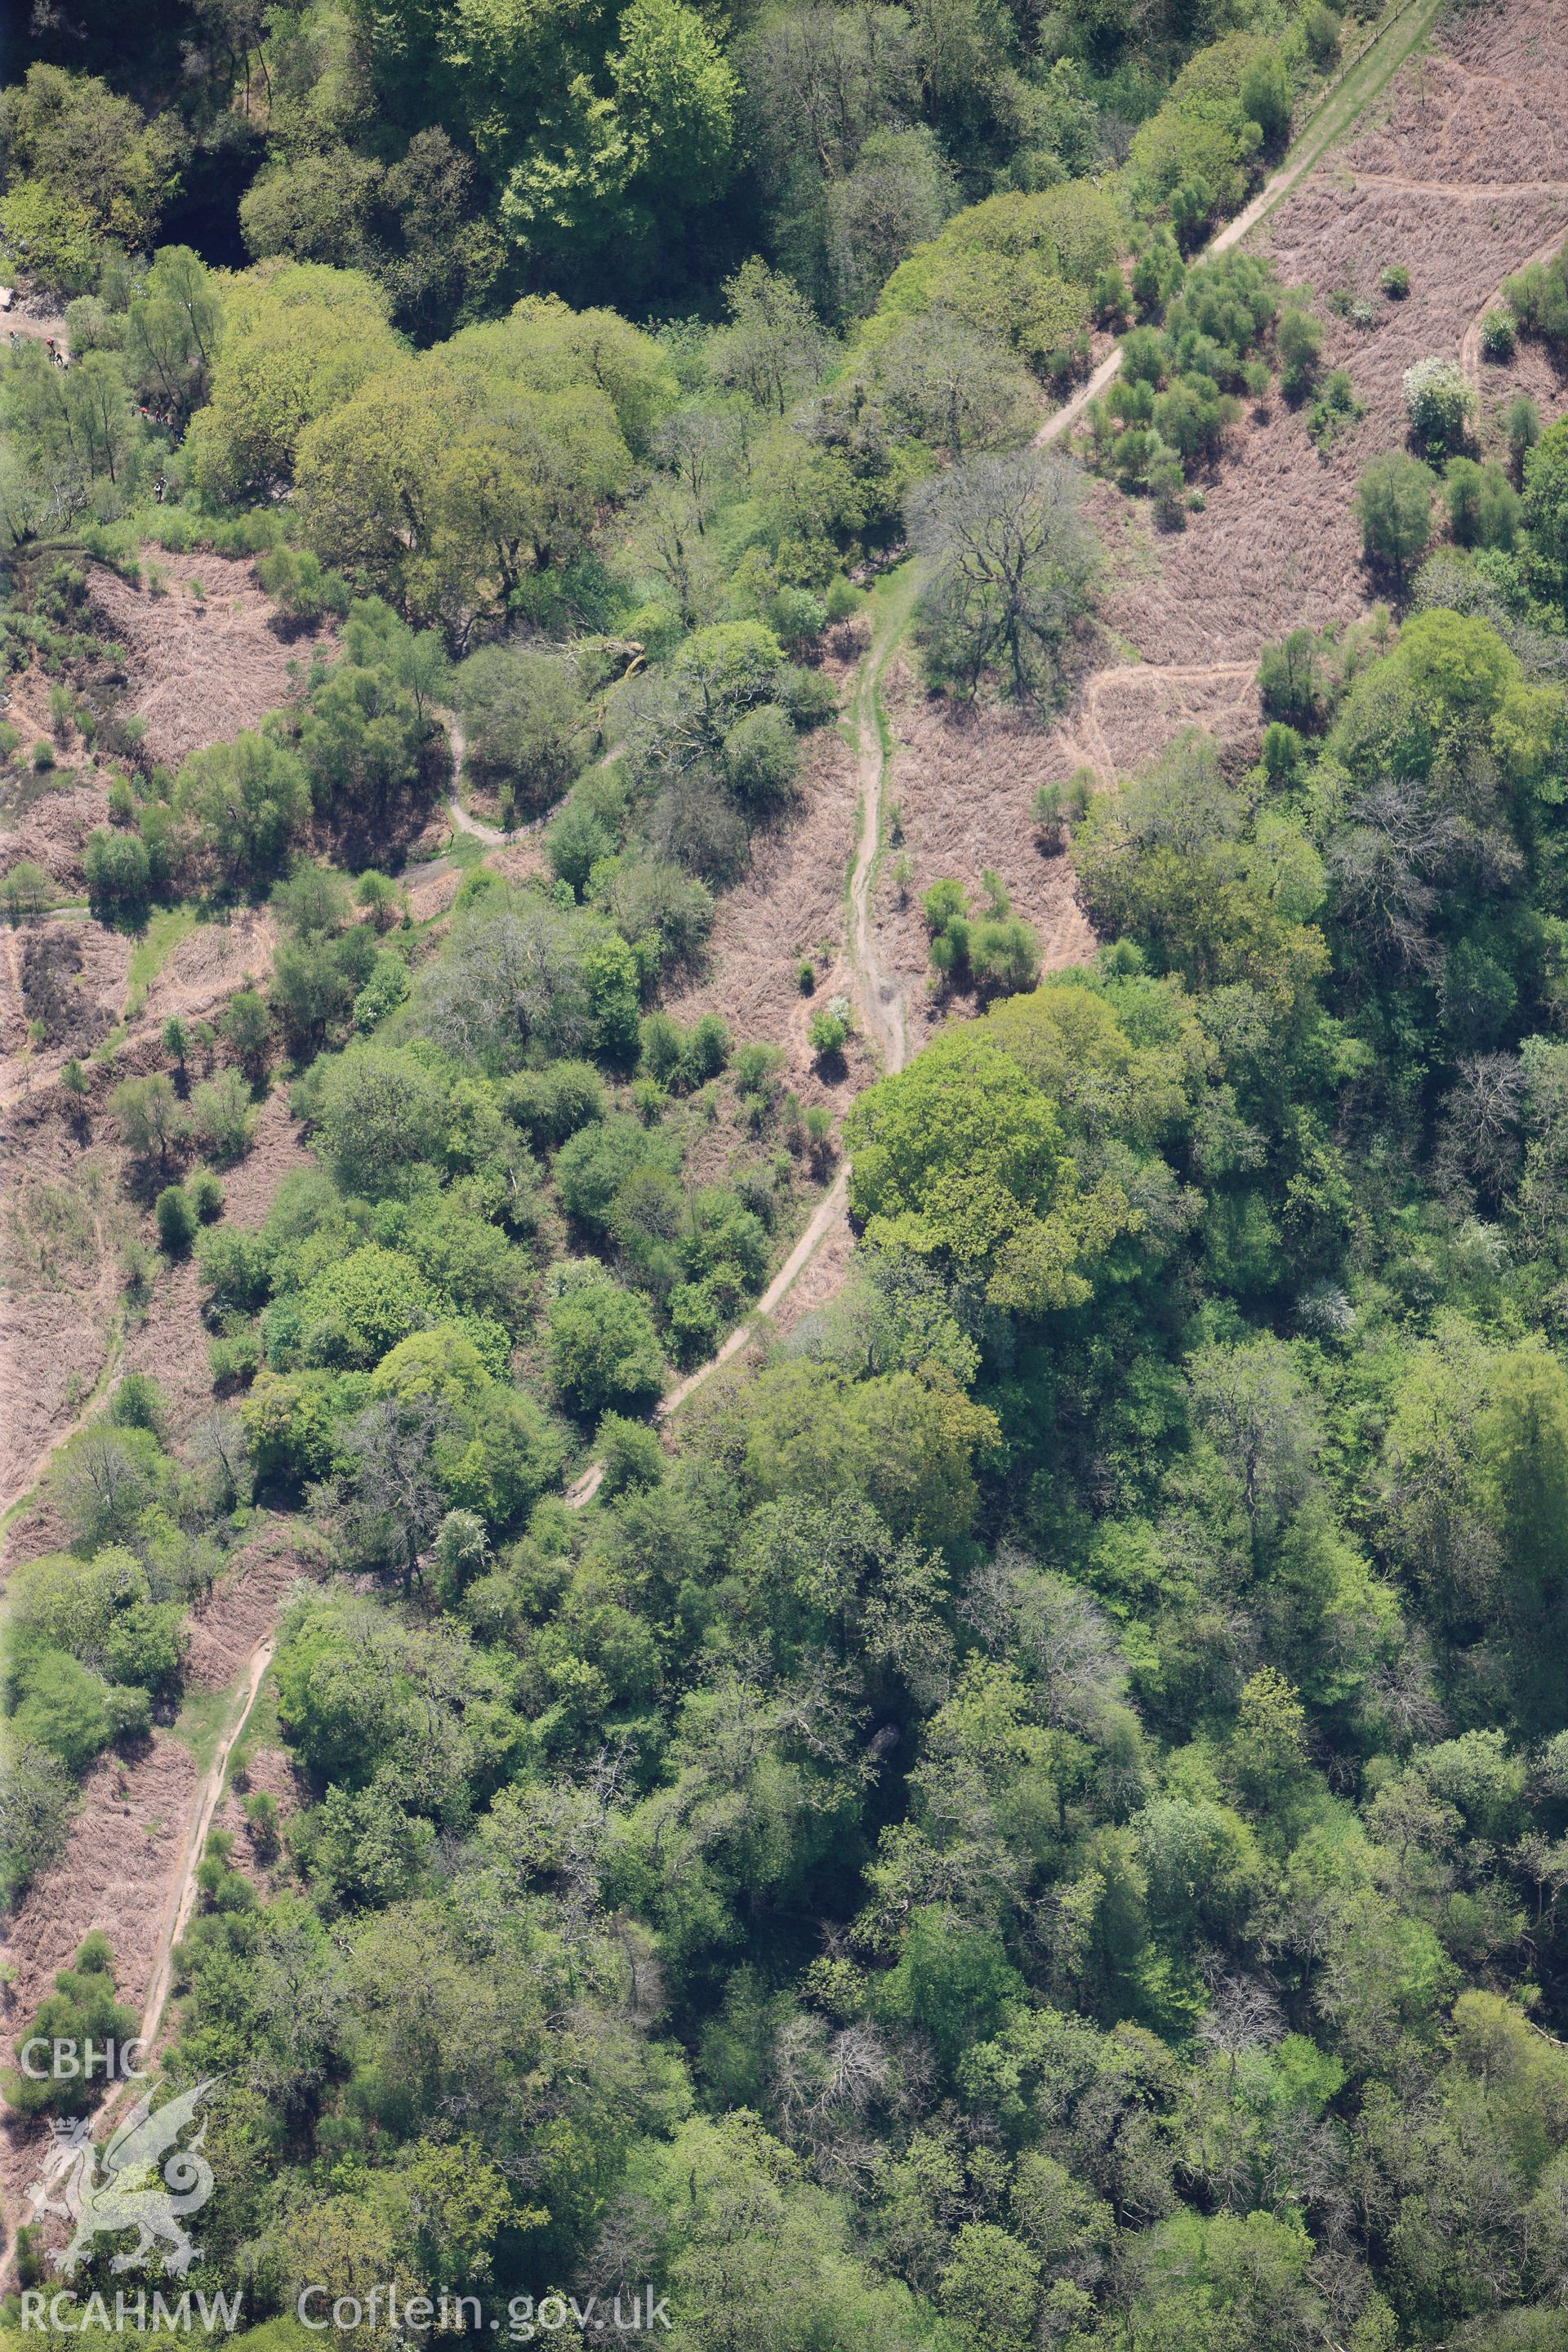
(183, 1895)
(1470, 349)
(881, 1009)
(462, 822)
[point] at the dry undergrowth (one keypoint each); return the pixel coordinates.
(201, 667)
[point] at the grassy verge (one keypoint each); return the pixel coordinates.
(153, 950)
(261, 1728)
(204, 1715)
(893, 600)
(1339, 111)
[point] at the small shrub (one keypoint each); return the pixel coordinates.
(1393, 507)
(43, 756)
(1484, 508)
(1289, 678)
(1284, 754)
(1321, 30)
(818, 1127)
(295, 581)
(1439, 404)
(176, 1221)
(261, 1820)
(204, 1194)
(234, 1358)
(137, 1267)
(1499, 335)
(378, 897)
(1059, 807)
(828, 1031)
(797, 616)
(382, 992)
(944, 903)
(1300, 344)
(247, 1028)
(1522, 426)
(706, 1050)
(631, 1453)
(27, 890)
(1111, 306)
(1335, 409)
(118, 869)
(1395, 281)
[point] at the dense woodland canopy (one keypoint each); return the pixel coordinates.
(1041, 1819)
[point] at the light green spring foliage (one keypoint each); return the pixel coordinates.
(1029, 1821)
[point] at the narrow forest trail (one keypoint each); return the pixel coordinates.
(182, 1899)
(462, 822)
(178, 1911)
(1338, 110)
(880, 1007)
(1470, 349)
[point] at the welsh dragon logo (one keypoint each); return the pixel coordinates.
(124, 2194)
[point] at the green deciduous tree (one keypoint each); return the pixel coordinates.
(603, 1344)
(239, 805)
(381, 1115)
(1394, 506)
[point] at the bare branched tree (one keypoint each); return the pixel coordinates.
(508, 978)
(1480, 1138)
(824, 2084)
(1054, 1627)
(387, 1506)
(1011, 564)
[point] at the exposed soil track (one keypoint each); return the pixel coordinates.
(130, 1867)
(1201, 666)
(880, 1006)
(1470, 349)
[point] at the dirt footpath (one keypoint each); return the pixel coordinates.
(1461, 176)
(1463, 180)
(121, 1865)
